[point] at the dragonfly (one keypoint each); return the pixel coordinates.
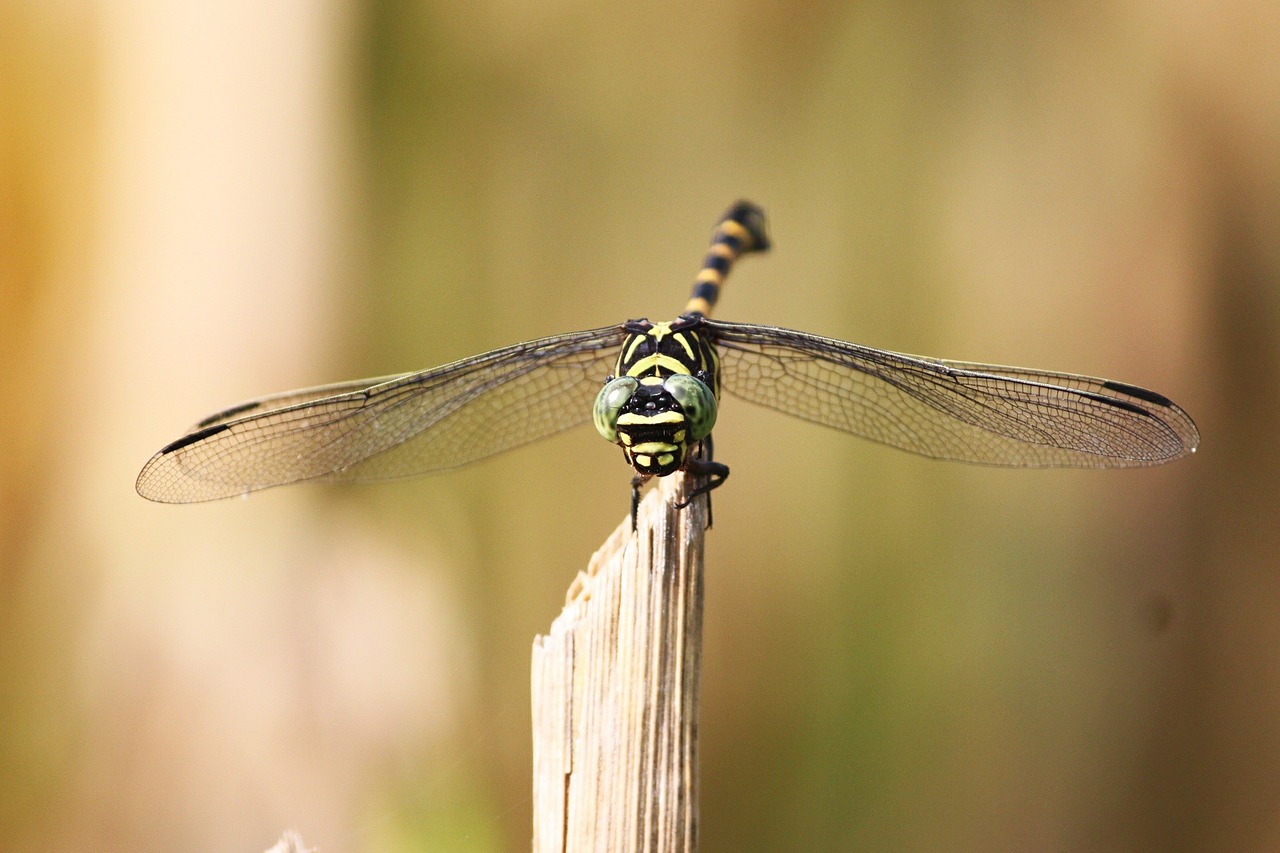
(653, 389)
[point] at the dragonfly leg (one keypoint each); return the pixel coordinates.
(636, 482)
(715, 472)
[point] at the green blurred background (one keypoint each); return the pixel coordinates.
(204, 201)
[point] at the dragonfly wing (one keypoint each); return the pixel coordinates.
(290, 398)
(963, 411)
(387, 428)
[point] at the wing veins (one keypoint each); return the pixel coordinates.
(944, 409)
(333, 437)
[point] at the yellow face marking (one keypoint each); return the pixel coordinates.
(643, 461)
(678, 438)
(666, 459)
(632, 419)
(658, 360)
(626, 439)
(649, 448)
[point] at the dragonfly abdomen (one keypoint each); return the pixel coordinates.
(739, 232)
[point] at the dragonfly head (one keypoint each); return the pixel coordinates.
(655, 420)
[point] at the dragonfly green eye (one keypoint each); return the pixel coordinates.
(697, 401)
(609, 402)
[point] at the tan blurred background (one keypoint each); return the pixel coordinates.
(204, 201)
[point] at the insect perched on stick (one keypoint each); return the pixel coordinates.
(654, 390)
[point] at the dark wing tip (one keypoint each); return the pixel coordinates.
(155, 480)
(228, 414)
(1169, 413)
(1141, 393)
(193, 437)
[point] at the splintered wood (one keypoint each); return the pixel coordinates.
(615, 691)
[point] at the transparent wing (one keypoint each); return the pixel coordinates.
(291, 398)
(391, 427)
(949, 409)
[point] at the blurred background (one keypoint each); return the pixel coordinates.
(202, 202)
